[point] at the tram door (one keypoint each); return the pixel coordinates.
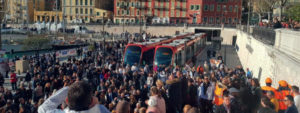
(216, 43)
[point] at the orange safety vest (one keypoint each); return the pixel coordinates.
(281, 95)
(265, 89)
(218, 95)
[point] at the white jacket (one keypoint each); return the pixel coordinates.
(50, 105)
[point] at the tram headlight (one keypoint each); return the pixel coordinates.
(155, 63)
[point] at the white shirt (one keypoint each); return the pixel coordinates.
(297, 102)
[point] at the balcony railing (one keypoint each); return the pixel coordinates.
(266, 35)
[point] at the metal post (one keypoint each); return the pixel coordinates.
(249, 9)
(103, 23)
(0, 33)
(56, 19)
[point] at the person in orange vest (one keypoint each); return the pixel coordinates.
(220, 88)
(283, 90)
(200, 69)
(268, 87)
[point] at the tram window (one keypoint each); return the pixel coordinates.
(147, 57)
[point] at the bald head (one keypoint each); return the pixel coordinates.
(123, 107)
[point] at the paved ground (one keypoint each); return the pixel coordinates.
(228, 52)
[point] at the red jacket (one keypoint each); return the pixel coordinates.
(13, 77)
(106, 76)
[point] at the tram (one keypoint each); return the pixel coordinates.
(143, 53)
(180, 51)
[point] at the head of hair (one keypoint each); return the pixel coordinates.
(290, 98)
(267, 102)
(186, 108)
(142, 110)
(268, 84)
(193, 110)
(123, 107)
(295, 89)
(155, 91)
(256, 82)
(79, 96)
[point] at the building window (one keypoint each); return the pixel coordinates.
(104, 13)
(76, 10)
(205, 19)
(211, 20)
(76, 2)
(177, 13)
(132, 4)
(155, 12)
(86, 2)
(197, 7)
(230, 8)
(81, 11)
(118, 4)
(138, 12)
(119, 12)
(80, 2)
(128, 12)
(217, 20)
(91, 11)
(123, 12)
(86, 11)
(229, 20)
(212, 7)
(218, 8)
(224, 8)
(235, 20)
(183, 14)
(98, 14)
(206, 7)
(91, 2)
(236, 8)
(192, 7)
(223, 20)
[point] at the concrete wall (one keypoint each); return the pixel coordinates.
(288, 41)
(267, 61)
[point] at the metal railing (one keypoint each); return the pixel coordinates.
(264, 34)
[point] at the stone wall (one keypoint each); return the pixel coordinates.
(267, 61)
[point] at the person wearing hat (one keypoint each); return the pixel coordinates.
(268, 87)
(283, 90)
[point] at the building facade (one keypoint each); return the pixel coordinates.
(101, 15)
(221, 11)
(20, 11)
(48, 16)
(177, 11)
(75, 10)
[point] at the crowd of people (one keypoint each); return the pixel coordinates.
(289, 24)
(97, 81)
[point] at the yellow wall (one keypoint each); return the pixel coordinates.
(69, 10)
(47, 16)
(100, 14)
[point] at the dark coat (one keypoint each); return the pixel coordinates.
(222, 109)
(174, 92)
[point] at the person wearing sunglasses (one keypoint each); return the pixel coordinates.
(289, 102)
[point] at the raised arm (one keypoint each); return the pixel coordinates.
(54, 101)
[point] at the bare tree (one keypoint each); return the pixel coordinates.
(282, 4)
(271, 5)
(260, 7)
(2, 15)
